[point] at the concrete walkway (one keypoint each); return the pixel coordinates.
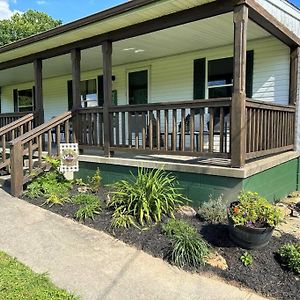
(95, 266)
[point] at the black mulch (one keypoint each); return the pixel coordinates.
(265, 275)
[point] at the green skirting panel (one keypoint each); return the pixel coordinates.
(273, 183)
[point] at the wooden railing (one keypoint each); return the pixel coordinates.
(7, 118)
(30, 146)
(90, 127)
(270, 128)
(199, 127)
(12, 131)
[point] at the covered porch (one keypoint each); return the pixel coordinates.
(226, 116)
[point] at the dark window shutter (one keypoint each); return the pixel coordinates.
(199, 78)
(100, 91)
(15, 95)
(70, 95)
(249, 73)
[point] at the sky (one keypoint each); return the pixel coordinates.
(65, 10)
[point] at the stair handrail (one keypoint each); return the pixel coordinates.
(15, 124)
(34, 141)
(10, 131)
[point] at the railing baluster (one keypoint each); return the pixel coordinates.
(151, 129)
(222, 130)
(130, 129)
(3, 148)
(174, 130)
(158, 131)
(49, 142)
(211, 130)
(123, 129)
(201, 131)
(182, 136)
(192, 129)
(58, 139)
(30, 157)
(166, 129)
(144, 124)
(40, 148)
(136, 124)
(67, 131)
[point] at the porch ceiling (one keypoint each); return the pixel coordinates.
(204, 34)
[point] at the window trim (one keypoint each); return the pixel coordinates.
(128, 71)
(18, 106)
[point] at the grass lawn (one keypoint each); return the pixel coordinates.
(19, 282)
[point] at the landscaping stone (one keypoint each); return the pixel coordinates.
(187, 211)
(216, 260)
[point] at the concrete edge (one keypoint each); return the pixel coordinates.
(269, 162)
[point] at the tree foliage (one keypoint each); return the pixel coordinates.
(20, 26)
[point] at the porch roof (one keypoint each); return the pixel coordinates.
(111, 24)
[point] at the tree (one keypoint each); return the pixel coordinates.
(20, 26)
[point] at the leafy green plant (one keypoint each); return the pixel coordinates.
(79, 182)
(290, 256)
(51, 185)
(34, 190)
(53, 161)
(176, 227)
(89, 206)
(214, 210)
(55, 199)
(188, 248)
(94, 182)
(120, 220)
(147, 196)
(247, 259)
(253, 210)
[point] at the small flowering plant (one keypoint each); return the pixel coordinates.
(252, 210)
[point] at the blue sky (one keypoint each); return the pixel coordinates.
(65, 10)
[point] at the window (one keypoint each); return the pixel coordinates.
(23, 100)
(220, 78)
(138, 87)
(88, 92)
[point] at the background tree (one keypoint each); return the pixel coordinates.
(20, 26)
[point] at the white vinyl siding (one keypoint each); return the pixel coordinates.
(171, 78)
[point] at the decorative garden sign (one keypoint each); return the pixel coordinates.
(69, 158)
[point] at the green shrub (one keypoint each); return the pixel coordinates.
(252, 209)
(89, 206)
(290, 256)
(94, 182)
(176, 227)
(34, 190)
(51, 185)
(146, 197)
(214, 210)
(120, 220)
(247, 259)
(188, 248)
(53, 161)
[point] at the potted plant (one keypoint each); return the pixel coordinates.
(252, 220)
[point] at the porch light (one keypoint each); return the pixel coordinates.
(139, 50)
(128, 49)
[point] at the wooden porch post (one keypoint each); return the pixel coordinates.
(294, 60)
(38, 83)
(238, 107)
(75, 58)
(107, 92)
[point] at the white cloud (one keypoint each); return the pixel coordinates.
(5, 11)
(41, 2)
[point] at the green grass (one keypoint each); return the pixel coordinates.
(18, 282)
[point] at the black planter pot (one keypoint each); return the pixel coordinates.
(249, 237)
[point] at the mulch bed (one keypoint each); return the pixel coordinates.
(264, 276)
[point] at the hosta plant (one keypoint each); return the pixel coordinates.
(253, 210)
(146, 197)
